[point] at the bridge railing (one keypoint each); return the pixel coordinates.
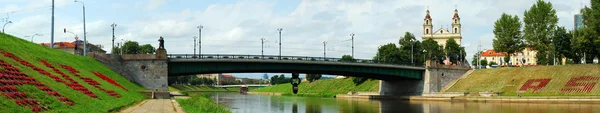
(275, 57)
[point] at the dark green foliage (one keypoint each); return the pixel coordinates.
(453, 50)
(507, 31)
(313, 77)
(359, 80)
(540, 23)
(147, 49)
(348, 58)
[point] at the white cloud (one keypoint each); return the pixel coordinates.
(154, 4)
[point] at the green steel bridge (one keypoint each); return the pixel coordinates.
(188, 64)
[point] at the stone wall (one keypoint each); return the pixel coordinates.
(437, 75)
(144, 69)
(404, 87)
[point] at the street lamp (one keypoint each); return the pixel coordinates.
(324, 50)
(113, 34)
(352, 35)
(122, 44)
(34, 36)
(194, 46)
(200, 40)
(9, 22)
(84, 31)
(262, 45)
(279, 29)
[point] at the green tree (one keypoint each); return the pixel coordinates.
(589, 37)
(475, 56)
(388, 53)
(358, 80)
(452, 50)
(348, 58)
(583, 44)
(131, 47)
(147, 49)
(540, 22)
(432, 49)
(483, 62)
(411, 50)
(562, 43)
(508, 35)
(116, 51)
(313, 77)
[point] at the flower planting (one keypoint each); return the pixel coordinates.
(11, 77)
(90, 81)
(72, 83)
(108, 80)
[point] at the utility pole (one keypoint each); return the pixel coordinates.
(84, 31)
(280, 29)
(52, 27)
(194, 46)
(412, 52)
(262, 45)
(113, 34)
(479, 56)
(352, 34)
(200, 40)
(324, 50)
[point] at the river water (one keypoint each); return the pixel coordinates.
(286, 104)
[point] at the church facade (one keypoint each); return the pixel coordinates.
(441, 35)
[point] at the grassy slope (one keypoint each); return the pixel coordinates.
(509, 80)
(201, 104)
(32, 52)
(329, 87)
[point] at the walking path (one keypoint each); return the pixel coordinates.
(155, 106)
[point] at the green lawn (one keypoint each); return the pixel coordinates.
(510, 79)
(323, 88)
(201, 104)
(31, 52)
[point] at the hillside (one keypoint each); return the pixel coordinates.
(37, 78)
(566, 80)
(326, 88)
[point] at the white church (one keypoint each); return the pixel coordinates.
(441, 35)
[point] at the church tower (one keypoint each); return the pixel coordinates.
(427, 26)
(456, 23)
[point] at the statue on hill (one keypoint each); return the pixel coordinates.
(161, 43)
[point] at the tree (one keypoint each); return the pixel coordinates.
(313, 77)
(589, 36)
(583, 44)
(411, 50)
(540, 22)
(358, 80)
(147, 49)
(388, 53)
(131, 47)
(432, 50)
(508, 35)
(453, 50)
(562, 43)
(116, 51)
(475, 57)
(348, 58)
(483, 62)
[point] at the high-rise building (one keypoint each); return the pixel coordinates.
(579, 20)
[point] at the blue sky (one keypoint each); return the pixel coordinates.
(236, 26)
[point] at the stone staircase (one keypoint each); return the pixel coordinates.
(449, 85)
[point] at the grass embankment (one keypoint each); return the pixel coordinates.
(323, 88)
(509, 80)
(83, 103)
(201, 104)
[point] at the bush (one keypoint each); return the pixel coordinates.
(358, 80)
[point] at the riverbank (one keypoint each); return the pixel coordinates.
(564, 80)
(513, 99)
(201, 104)
(38, 78)
(323, 88)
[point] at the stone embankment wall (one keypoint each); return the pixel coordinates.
(144, 69)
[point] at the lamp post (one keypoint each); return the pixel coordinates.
(84, 31)
(280, 29)
(52, 27)
(200, 40)
(324, 50)
(412, 52)
(113, 34)
(352, 34)
(9, 22)
(262, 45)
(122, 44)
(194, 46)
(34, 36)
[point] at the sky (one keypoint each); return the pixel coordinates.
(236, 26)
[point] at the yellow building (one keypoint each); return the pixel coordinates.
(441, 35)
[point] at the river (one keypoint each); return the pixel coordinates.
(287, 104)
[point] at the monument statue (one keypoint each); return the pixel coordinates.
(161, 43)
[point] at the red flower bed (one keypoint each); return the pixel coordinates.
(90, 81)
(72, 83)
(10, 77)
(100, 75)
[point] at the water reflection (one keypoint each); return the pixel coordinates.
(284, 104)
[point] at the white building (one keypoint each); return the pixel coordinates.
(441, 35)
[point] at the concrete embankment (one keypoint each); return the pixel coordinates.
(511, 99)
(266, 93)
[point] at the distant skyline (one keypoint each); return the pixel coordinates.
(236, 26)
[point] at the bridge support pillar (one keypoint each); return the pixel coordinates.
(404, 87)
